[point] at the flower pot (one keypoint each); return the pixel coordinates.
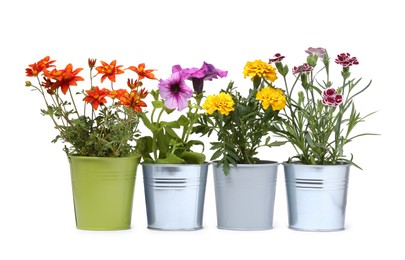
(103, 191)
(316, 196)
(174, 195)
(245, 197)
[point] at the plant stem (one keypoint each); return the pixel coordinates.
(74, 103)
(154, 142)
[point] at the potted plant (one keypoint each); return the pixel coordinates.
(99, 140)
(244, 184)
(174, 174)
(319, 120)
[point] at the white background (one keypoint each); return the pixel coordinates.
(36, 206)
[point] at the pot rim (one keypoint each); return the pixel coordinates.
(261, 163)
(175, 164)
(297, 163)
(102, 157)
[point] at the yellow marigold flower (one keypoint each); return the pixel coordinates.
(271, 97)
(222, 103)
(261, 69)
(209, 105)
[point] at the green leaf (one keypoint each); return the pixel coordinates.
(285, 70)
(171, 159)
(183, 120)
(158, 104)
(162, 143)
(216, 145)
(256, 81)
(226, 167)
(277, 143)
(172, 124)
(194, 142)
(146, 122)
(155, 94)
(148, 160)
(308, 138)
(193, 157)
(169, 111)
(216, 155)
(172, 133)
(232, 155)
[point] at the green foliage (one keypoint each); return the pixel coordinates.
(104, 130)
(242, 132)
(112, 133)
(108, 135)
(165, 145)
(317, 131)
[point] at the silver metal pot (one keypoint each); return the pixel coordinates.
(245, 197)
(316, 196)
(174, 195)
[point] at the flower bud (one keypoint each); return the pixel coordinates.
(312, 59)
(92, 63)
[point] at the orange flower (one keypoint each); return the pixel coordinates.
(134, 84)
(142, 73)
(109, 70)
(52, 74)
(117, 93)
(65, 78)
(133, 99)
(50, 86)
(39, 67)
(96, 97)
(143, 93)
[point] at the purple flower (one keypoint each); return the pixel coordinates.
(345, 60)
(303, 68)
(320, 52)
(277, 58)
(197, 76)
(175, 92)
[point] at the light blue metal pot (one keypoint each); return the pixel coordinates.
(245, 197)
(316, 196)
(174, 195)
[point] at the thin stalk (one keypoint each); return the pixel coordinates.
(154, 143)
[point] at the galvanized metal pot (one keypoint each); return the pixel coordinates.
(316, 196)
(245, 197)
(174, 195)
(103, 191)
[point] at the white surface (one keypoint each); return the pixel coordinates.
(36, 207)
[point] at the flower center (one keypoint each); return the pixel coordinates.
(175, 88)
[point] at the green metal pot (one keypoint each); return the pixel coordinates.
(103, 189)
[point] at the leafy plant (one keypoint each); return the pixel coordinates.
(107, 130)
(319, 119)
(242, 124)
(169, 142)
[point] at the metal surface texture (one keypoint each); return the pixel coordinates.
(174, 195)
(316, 196)
(245, 197)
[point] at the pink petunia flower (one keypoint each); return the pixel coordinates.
(198, 76)
(175, 92)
